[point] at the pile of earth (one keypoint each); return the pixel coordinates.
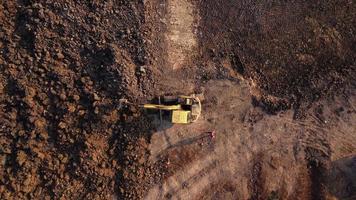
(64, 67)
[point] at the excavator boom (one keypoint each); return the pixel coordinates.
(162, 107)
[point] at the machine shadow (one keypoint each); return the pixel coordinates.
(342, 178)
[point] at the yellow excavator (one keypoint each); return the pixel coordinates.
(182, 109)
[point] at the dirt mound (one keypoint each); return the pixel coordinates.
(65, 65)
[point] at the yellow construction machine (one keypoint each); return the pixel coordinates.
(181, 109)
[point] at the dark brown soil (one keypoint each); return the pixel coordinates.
(64, 66)
(297, 52)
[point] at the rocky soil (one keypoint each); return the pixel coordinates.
(64, 67)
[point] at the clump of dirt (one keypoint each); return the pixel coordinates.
(64, 67)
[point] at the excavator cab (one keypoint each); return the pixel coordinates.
(181, 109)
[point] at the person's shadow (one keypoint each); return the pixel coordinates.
(341, 180)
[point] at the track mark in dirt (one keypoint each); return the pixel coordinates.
(194, 183)
(181, 40)
(341, 179)
(257, 178)
(317, 171)
(192, 179)
(221, 189)
(317, 174)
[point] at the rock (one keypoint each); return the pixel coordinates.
(141, 160)
(41, 14)
(21, 157)
(46, 101)
(83, 80)
(81, 112)
(71, 108)
(96, 110)
(3, 160)
(42, 96)
(53, 91)
(40, 123)
(114, 163)
(62, 96)
(59, 56)
(41, 155)
(76, 97)
(96, 97)
(142, 69)
(62, 125)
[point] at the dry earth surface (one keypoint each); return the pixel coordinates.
(277, 81)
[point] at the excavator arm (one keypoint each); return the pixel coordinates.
(162, 107)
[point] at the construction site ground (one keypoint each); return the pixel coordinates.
(276, 80)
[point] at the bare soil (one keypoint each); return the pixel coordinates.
(279, 88)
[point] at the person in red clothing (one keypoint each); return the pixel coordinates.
(212, 134)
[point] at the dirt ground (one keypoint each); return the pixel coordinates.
(277, 80)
